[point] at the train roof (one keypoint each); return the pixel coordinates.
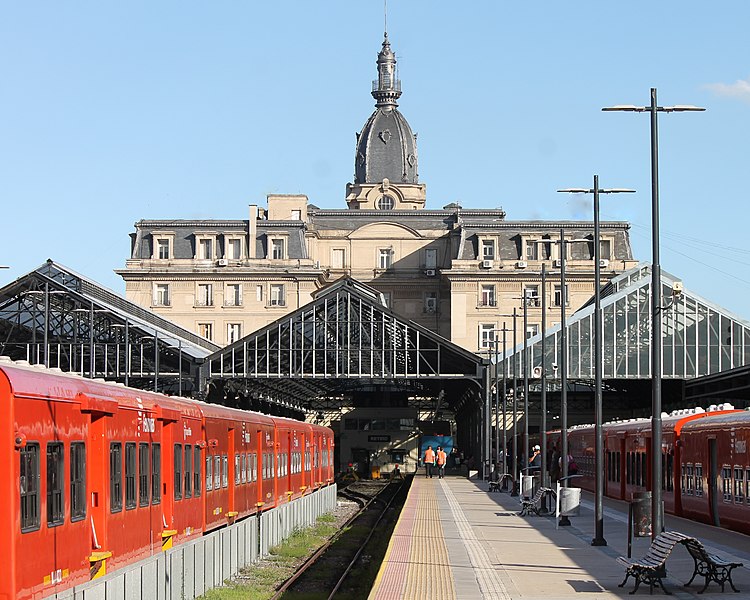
(736, 418)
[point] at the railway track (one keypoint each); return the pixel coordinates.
(347, 564)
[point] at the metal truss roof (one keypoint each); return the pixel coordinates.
(346, 339)
(57, 317)
(699, 337)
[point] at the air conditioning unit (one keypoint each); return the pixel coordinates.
(521, 264)
(486, 264)
(557, 263)
(603, 263)
(429, 272)
(222, 262)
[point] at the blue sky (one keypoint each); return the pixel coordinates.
(113, 112)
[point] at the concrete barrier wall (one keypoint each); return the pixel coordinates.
(188, 570)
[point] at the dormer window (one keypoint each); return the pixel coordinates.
(162, 245)
(488, 250)
(233, 248)
(277, 249)
(205, 249)
(162, 249)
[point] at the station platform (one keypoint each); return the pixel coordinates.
(455, 540)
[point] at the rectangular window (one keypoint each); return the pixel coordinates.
(558, 295)
(144, 470)
(296, 214)
(385, 258)
(177, 471)
(115, 477)
(206, 330)
(277, 295)
(233, 294)
(225, 471)
(387, 299)
(605, 249)
(205, 249)
(486, 336)
(161, 294)
(188, 471)
(237, 469)
(55, 484)
(243, 470)
(338, 258)
(209, 473)
(430, 258)
(531, 330)
(29, 485)
(162, 249)
(488, 295)
(532, 250)
(217, 472)
(259, 293)
(430, 302)
(197, 462)
(234, 249)
(488, 250)
(531, 295)
(204, 295)
(726, 483)
(155, 473)
(77, 481)
(699, 480)
(129, 475)
(234, 332)
(739, 485)
(747, 486)
(277, 249)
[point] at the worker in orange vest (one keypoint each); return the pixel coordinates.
(429, 461)
(441, 457)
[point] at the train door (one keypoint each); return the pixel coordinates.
(621, 467)
(233, 475)
(713, 481)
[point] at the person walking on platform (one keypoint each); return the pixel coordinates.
(441, 457)
(429, 461)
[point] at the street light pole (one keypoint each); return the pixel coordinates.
(563, 374)
(525, 366)
(598, 359)
(657, 509)
(505, 401)
(515, 408)
(543, 428)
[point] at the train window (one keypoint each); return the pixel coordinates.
(29, 484)
(237, 469)
(726, 483)
(77, 481)
(155, 473)
(115, 477)
(217, 472)
(690, 480)
(255, 467)
(747, 486)
(225, 471)
(699, 480)
(243, 475)
(683, 479)
(629, 468)
(643, 469)
(739, 485)
(618, 476)
(197, 462)
(55, 484)
(669, 479)
(129, 475)
(143, 472)
(209, 473)
(188, 471)
(177, 467)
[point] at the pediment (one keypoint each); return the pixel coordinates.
(385, 230)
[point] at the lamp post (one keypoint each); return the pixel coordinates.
(599, 434)
(514, 492)
(657, 511)
(543, 428)
(497, 398)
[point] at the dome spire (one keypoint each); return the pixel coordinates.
(387, 89)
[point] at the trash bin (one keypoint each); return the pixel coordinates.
(527, 486)
(642, 518)
(570, 501)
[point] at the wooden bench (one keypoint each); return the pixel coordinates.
(535, 503)
(709, 566)
(651, 568)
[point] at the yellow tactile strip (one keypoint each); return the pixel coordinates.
(416, 564)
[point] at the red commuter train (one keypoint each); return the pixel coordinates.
(705, 463)
(96, 475)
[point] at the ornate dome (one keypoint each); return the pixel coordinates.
(386, 146)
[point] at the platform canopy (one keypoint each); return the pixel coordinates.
(56, 317)
(699, 338)
(347, 339)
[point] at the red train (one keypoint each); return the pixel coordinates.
(705, 463)
(96, 475)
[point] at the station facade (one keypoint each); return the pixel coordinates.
(456, 271)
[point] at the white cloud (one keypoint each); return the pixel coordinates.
(740, 89)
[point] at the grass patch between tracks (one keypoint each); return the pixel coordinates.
(259, 581)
